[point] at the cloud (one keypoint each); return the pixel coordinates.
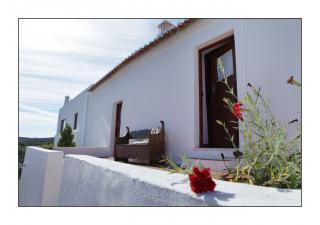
(59, 57)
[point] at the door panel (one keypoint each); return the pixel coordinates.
(220, 65)
(118, 119)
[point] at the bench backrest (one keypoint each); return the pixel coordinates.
(140, 134)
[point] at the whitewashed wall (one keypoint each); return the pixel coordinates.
(89, 181)
(67, 112)
(163, 83)
(93, 151)
(39, 184)
(79, 180)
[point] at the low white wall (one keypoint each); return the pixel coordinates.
(39, 184)
(97, 152)
(79, 180)
(89, 181)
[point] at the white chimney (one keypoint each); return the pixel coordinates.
(66, 99)
(164, 27)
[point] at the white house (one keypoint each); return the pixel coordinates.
(173, 78)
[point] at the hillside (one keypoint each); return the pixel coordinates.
(35, 141)
(25, 141)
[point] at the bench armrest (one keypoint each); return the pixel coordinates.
(124, 139)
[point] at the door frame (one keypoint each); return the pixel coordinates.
(200, 74)
(113, 125)
(118, 118)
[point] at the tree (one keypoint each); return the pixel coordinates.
(66, 139)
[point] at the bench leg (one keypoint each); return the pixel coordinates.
(120, 159)
(153, 162)
(125, 159)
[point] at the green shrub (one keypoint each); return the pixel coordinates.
(66, 139)
(47, 146)
(269, 157)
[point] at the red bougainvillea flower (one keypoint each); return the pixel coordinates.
(237, 110)
(201, 181)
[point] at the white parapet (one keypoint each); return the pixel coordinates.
(90, 181)
(39, 184)
(100, 152)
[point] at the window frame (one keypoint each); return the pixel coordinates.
(62, 124)
(75, 121)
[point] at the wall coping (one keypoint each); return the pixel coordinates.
(225, 194)
(101, 152)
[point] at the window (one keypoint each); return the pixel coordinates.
(225, 65)
(75, 121)
(62, 125)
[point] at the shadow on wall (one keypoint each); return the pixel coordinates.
(217, 196)
(213, 197)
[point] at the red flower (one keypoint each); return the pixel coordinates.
(237, 110)
(201, 181)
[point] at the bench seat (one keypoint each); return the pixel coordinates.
(151, 151)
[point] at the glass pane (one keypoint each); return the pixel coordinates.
(225, 65)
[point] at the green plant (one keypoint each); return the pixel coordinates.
(269, 157)
(47, 146)
(185, 167)
(66, 139)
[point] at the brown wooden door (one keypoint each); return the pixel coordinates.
(118, 119)
(219, 64)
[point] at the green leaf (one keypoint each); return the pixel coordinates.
(226, 100)
(249, 100)
(220, 123)
(230, 91)
(244, 110)
(232, 137)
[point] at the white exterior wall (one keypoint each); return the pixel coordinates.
(67, 112)
(89, 181)
(163, 83)
(48, 179)
(39, 184)
(101, 152)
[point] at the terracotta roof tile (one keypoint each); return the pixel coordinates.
(143, 50)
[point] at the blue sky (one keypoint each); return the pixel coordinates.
(63, 57)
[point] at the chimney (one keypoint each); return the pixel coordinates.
(66, 99)
(164, 27)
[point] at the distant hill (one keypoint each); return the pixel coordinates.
(46, 143)
(35, 141)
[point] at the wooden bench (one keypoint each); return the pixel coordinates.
(143, 144)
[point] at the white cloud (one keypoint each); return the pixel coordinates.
(59, 57)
